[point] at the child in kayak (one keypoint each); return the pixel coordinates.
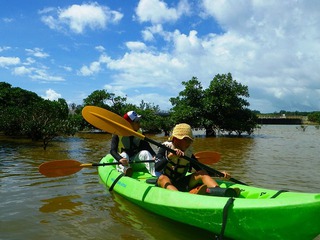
(126, 149)
(174, 168)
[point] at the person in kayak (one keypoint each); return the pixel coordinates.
(174, 168)
(126, 149)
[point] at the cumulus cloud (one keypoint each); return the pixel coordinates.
(9, 61)
(94, 67)
(36, 74)
(22, 70)
(44, 76)
(157, 11)
(67, 68)
(37, 52)
(272, 55)
(276, 57)
(149, 33)
(51, 95)
(100, 48)
(136, 46)
(78, 18)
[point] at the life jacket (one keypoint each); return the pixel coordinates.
(177, 168)
(129, 144)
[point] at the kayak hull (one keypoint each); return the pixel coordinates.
(256, 214)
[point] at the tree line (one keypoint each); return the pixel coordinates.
(222, 107)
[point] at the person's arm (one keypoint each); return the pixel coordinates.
(114, 148)
(161, 160)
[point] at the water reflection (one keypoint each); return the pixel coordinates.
(62, 203)
(140, 224)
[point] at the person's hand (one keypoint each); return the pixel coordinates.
(178, 153)
(226, 175)
(124, 161)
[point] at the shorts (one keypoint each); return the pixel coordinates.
(183, 183)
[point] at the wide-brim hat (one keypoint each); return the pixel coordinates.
(181, 131)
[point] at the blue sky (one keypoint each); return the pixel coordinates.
(145, 49)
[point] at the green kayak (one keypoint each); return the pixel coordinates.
(256, 214)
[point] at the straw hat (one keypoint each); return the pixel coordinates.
(181, 131)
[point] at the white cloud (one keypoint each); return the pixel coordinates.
(157, 11)
(149, 32)
(37, 52)
(8, 61)
(5, 48)
(42, 75)
(147, 70)
(276, 57)
(68, 69)
(136, 46)
(94, 67)
(272, 55)
(36, 74)
(29, 61)
(100, 48)
(21, 71)
(51, 95)
(117, 90)
(80, 17)
(153, 98)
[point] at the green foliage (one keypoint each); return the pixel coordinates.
(226, 105)
(314, 117)
(24, 113)
(103, 99)
(222, 106)
(98, 98)
(151, 121)
(188, 106)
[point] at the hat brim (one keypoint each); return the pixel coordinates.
(137, 119)
(181, 137)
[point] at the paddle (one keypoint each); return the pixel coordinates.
(113, 123)
(208, 157)
(60, 168)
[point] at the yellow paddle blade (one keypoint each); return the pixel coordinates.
(208, 157)
(60, 168)
(109, 121)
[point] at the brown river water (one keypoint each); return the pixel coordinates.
(79, 207)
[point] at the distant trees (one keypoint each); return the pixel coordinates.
(314, 117)
(151, 121)
(24, 113)
(220, 107)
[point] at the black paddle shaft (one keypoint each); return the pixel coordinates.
(203, 166)
(115, 163)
